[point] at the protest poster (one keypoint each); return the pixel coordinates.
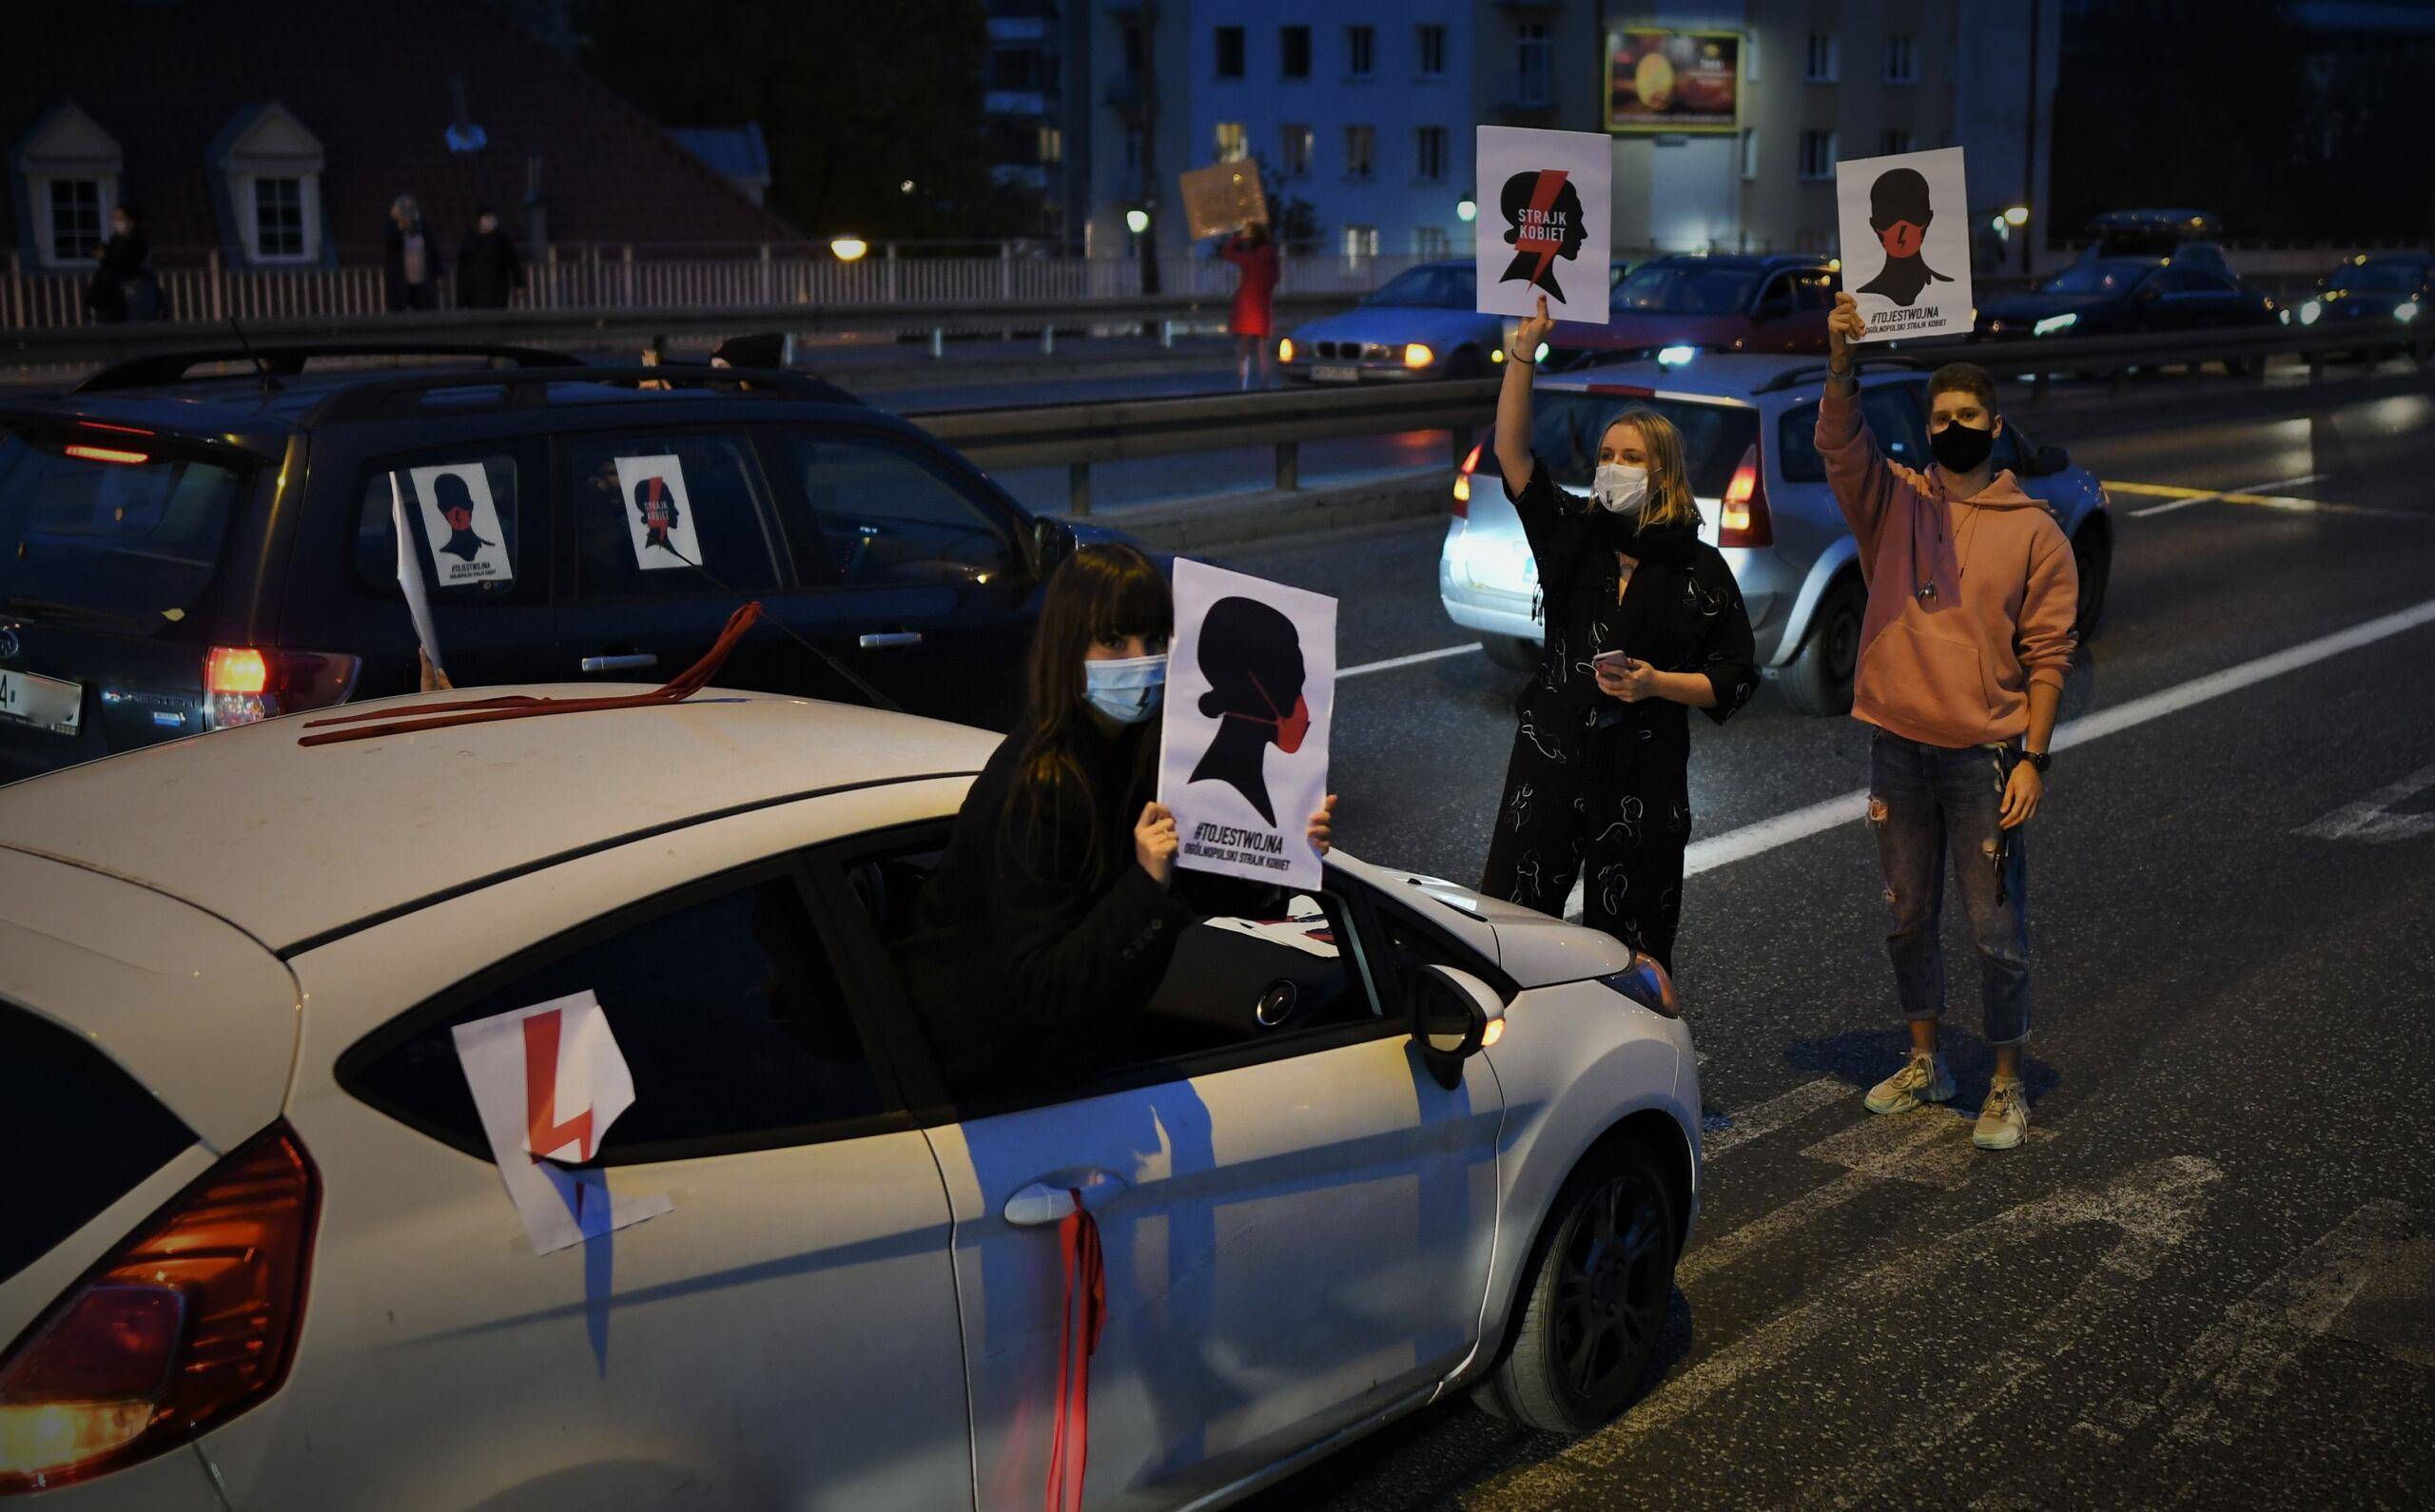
(1906, 223)
(1223, 198)
(659, 517)
(1546, 221)
(462, 522)
(1243, 754)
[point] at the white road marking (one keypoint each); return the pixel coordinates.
(1774, 1113)
(1414, 660)
(1767, 834)
(2247, 496)
(2368, 819)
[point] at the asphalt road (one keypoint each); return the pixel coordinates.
(2209, 1278)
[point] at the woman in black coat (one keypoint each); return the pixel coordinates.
(125, 263)
(1644, 623)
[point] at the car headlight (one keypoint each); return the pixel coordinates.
(1497, 356)
(1541, 356)
(1285, 349)
(1647, 984)
(1416, 355)
(1676, 355)
(2406, 311)
(2054, 323)
(2309, 312)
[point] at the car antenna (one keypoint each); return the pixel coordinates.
(270, 384)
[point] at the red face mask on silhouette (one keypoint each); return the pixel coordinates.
(1291, 728)
(460, 518)
(1902, 239)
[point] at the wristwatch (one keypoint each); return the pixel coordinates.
(2039, 759)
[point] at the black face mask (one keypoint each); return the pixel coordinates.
(1961, 448)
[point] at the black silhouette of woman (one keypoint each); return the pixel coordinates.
(455, 503)
(1542, 222)
(1253, 659)
(1899, 212)
(656, 505)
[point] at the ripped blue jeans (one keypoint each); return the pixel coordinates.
(1929, 804)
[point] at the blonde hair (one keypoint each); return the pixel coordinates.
(1669, 477)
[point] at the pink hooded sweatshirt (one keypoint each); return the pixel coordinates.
(1952, 667)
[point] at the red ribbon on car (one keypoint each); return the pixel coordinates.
(1078, 1240)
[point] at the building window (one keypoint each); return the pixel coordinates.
(279, 218)
(1230, 144)
(1052, 144)
(1360, 242)
(1428, 144)
(1295, 152)
(1429, 241)
(1230, 52)
(1360, 51)
(1823, 58)
(1432, 52)
(1530, 62)
(1817, 154)
(76, 220)
(1360, 152)
(1895, 143)
(1901, 67)
(1294, 52)
(1749, 153)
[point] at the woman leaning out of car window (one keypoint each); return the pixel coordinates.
(1052, 917)
(1643, 623)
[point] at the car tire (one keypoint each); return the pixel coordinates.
(1595, 1298)
(1512, 652)
(2093, 558)
(1819, 679)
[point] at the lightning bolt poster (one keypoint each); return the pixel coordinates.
(1546, 221)
(1905, 224)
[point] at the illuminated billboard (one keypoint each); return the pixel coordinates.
(1662, 79)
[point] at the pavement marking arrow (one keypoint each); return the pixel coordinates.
(2369, 819)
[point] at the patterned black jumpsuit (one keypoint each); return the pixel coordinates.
(1596, 783)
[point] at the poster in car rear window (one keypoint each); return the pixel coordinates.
(1906, 223)
(659, 517)
(1243, 754)
(1545, 223)
(461, 522)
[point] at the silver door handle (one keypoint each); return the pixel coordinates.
(888, 638)
(1046, 1202)
(620, 664)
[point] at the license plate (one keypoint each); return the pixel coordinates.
(1342, 372)
(44, 703)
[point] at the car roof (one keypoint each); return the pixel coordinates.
(295, 845)
(1738, 376)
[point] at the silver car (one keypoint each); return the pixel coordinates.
(1747, 425)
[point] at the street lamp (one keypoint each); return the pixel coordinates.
(2018, 216)
(1466, 209)
(849, 248)
(1136, 220)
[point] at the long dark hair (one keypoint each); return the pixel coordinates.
(1104, 592)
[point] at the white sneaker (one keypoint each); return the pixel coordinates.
(1923, 1078)
(2003, 1122)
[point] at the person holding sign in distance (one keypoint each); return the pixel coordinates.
(1644, 623)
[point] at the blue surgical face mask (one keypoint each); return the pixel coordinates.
(1126, 690)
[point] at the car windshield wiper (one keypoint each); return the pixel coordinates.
(52, 609)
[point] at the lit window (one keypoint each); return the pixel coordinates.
(1294, 155)
(1052, 144)
(1232, 148)
(1360, 242)
(1749, 152)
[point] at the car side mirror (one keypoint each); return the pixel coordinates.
(1052, 541)
(1452, 1019)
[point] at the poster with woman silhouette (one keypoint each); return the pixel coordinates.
(1243, 757)
(461, 523)
(659, 519)
(1545, 222)
(1906, 243)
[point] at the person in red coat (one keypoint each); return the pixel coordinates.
(1253, 320)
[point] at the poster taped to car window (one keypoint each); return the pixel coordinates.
(461, 523)
(1906, 243)
(548, 1081)
(1545, 222)
(1243, 757)
(659, 519)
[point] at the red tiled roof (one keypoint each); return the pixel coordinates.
(371, 81)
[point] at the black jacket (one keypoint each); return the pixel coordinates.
(123, 260)
(394, 260)
(488, 271)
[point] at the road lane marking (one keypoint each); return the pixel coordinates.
(1800, 824)
(1414, 660)
(2368, 819)
(1930, 1146)
(1774, 1113)
(2245, 494)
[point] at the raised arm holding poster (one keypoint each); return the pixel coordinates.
(1545, 224)
(1243, 756)
(1905, 224)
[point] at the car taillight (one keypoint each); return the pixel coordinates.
(185, 1324)
(1647, 984)
(1463, 482)
(241, 684)
(1743, 519)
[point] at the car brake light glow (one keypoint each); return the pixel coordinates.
(236, 669)
(1463, 482)
(1742, 520)
(105, 454)
(123, 430)
(1416, 355)
(188, 1323)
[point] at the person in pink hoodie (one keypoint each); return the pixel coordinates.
(1971, 594)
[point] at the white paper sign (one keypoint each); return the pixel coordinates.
(410, 576)
(1906, 243)
(1243, 754)
(1545, 220)
(548, 1081)
(461, 523)
(659, 519)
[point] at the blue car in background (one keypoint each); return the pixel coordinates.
(2382, 298)
(1422, 323)
(2118, 294)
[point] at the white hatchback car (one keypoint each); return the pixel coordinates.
(258, 1255)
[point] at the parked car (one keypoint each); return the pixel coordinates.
(258, 1254)
(2117, 295)
(2381, 297)
(1421, 324)
(1705, 303)
(186, 552)
(1749, 427)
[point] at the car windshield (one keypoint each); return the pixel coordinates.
(111, 534)
(1429, 289)
(2105, 276)
(1685, 288)
(2376, 278)
(1566, 428)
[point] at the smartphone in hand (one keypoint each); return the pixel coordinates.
(1616, 660)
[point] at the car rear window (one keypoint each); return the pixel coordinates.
(1675, 288)
(80, 1133)
(114, 533)
(1566, 427)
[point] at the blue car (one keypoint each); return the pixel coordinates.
(2119, 295)
(2380, 297)
(1423, 323)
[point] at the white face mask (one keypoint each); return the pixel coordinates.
(1619, 489)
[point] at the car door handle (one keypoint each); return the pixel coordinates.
(632, 663)
(883, 639)
(1046, 1202)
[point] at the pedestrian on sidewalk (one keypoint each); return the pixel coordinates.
(412, 259)
(1253, 320)
(1644, 624)
(123, 276)
(488, 270)
(1972, 594)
